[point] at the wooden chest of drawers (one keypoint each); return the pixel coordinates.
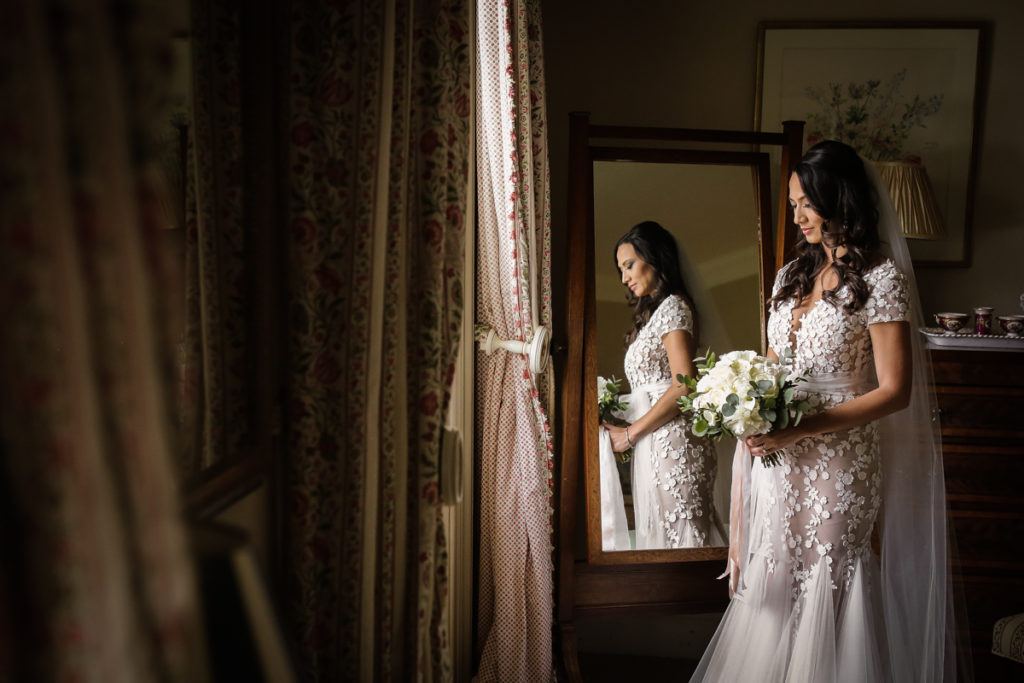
(981, 399)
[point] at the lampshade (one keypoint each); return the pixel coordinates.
(912, 193)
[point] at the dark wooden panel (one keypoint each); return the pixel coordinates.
(990, 597)
(981, 414)
(978, 368)
(982, 471)
(981, 395)
(989, 539)
(668, 587)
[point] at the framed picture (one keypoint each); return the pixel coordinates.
(894, 91)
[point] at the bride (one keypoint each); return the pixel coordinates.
(810, 600)
(673, 470)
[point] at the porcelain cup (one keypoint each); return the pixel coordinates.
(1012, 325)
(951, 323)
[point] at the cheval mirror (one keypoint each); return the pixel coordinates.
(713, 191)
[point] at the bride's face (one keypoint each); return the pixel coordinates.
(804, 215)
(637, 274)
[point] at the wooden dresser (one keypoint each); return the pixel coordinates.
(981, 398)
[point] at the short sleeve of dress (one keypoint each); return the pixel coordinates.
(672, 314)
(779, 276)
(889, 298)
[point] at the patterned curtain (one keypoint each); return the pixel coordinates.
(212, 383)
(378, 161)
(95, 579)
(513, 298)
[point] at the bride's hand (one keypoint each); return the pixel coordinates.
(618, 435)
(761, 445)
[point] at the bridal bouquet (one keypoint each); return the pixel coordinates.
(608, 403)
(741, 394)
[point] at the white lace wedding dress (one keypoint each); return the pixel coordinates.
(808, 605)
(673, 472)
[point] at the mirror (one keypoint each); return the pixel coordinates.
(619, 176)
(712, 212)
(712, 203)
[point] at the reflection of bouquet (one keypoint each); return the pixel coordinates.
(741, 394)
(609, 403)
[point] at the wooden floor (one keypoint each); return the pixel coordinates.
(610, 668)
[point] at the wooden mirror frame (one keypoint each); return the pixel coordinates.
(666, 581)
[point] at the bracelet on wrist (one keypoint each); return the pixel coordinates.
(628, 440)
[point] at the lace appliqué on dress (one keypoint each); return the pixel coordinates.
(684, 465)
(831, 488)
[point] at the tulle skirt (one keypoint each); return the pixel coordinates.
(822, 629)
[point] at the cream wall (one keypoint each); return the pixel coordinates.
(688, 64)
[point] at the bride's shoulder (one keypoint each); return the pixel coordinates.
(886, 279)
(781, 275)
(673, 303)
(883, 268)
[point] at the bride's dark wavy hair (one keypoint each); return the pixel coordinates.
(657, 248)
(836, 183)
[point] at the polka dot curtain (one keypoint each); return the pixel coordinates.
(513, 298)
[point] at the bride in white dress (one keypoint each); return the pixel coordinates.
(810, 600)
(673, 474)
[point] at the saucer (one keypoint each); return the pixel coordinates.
(937, 337)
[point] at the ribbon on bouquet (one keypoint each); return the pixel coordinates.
(739, 510)
(614, 529)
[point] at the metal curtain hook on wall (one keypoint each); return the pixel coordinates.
(537, 348)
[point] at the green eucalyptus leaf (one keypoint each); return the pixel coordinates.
(728, 409)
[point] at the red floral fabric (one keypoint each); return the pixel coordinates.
(96, 582)
(378, 163)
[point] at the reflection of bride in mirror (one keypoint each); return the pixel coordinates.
(673, 473)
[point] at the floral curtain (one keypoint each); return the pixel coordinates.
(212, 382)
(513, 298)
(378, 162)
(95, 580)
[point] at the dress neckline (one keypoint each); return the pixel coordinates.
(797, 323)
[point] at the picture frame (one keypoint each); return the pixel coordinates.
(895, 91)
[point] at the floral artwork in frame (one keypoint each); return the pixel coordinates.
(893, 91)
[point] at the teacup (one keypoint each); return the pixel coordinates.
(1012, 325)
(951, 322)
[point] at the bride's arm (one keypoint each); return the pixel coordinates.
(679, 346)
(891, 344)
